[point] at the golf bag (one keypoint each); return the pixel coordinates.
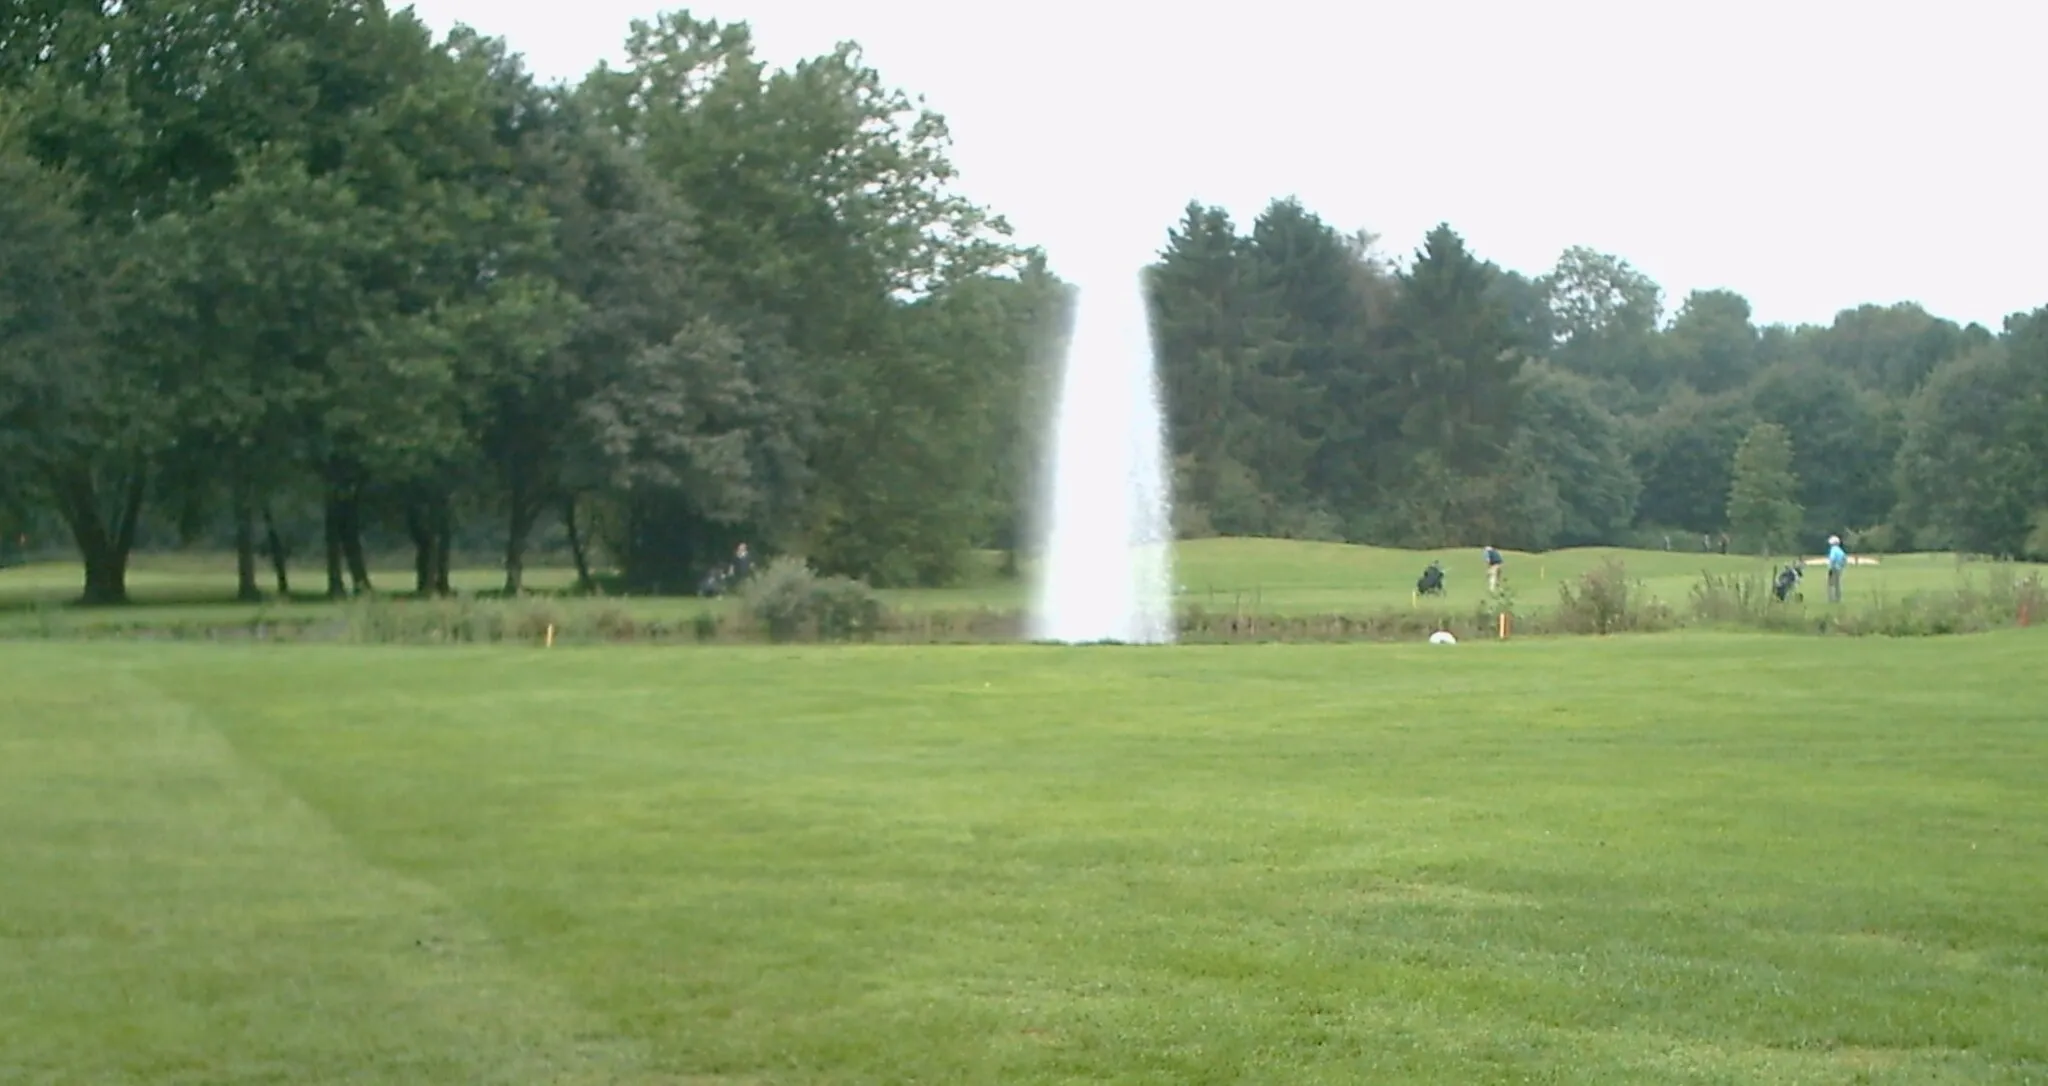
(1431, 583)
(1788, 579)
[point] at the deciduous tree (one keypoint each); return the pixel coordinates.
(1763, 511)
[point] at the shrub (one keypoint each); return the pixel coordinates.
(843, 609)
(613, 623)
(1199, 626)
(411, 621)
(1498, 602)
(381, 620)
(2029, 593)
(705, 626)
(2005, 599)
(1743, 599)
(1603, 600)
(788, 599)
(530, 620)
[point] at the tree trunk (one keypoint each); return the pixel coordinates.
(515, 561)
(104, 545)
(331, 525)
(583, 580)
(443, 544)
(429, 522)
(345, 540)
(422, 548)
(524, 514)
(352, 541)
(274, 543)
(106, 577)
(246, 589)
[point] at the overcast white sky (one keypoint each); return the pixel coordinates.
(1812, 154)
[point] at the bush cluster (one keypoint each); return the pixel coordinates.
(787, 601)
(791, 602)
(2005, 598)
(1605, 600)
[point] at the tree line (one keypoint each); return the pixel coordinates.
(306, 278)
(1320, 389)
(300, 268)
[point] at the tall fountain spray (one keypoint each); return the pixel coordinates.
(1106, 511)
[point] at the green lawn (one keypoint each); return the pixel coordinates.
(1263, 576)
(1678, 859)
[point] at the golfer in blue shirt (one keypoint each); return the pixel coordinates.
(1837, 560)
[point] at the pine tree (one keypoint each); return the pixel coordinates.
(1456, 354)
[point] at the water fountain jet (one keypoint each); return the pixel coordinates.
(1106, 512)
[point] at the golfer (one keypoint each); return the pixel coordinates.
(1492, 568)
(1838, 559)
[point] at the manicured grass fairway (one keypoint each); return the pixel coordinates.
(1672, 859)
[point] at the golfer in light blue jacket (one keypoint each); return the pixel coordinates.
(1838, 559)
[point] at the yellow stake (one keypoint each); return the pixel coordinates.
(551, 635)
